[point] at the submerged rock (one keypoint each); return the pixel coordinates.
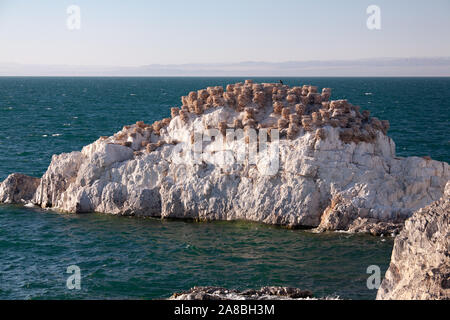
(334, 168)
(420, 263)
(265, 293)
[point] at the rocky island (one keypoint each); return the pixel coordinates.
(336, 168)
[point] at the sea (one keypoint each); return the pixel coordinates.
(51, 255)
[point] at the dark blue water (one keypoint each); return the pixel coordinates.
(135, 258)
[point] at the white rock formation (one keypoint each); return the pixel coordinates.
(337, 168)
(18, 188)
(420, 264)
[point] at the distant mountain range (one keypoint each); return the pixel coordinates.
(439, 66)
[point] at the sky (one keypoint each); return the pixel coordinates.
(143, 32)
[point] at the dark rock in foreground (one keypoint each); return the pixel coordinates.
(265, 293)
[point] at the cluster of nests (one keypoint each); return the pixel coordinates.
(278, 106)
(144, 131)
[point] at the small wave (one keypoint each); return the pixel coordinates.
(368, 93)
(344, 231)
(56, 134)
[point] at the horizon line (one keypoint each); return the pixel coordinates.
(385, 58)
(370, 67)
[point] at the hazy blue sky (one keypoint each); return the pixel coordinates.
(132, 33)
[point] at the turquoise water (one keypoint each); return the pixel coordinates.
(137, 258)
(123, 258)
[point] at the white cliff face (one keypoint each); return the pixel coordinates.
(336, 169)
(420, 264)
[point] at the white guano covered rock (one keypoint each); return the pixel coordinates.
(336, 168)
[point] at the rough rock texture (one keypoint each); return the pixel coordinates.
(18, 188)
(375, 227)
(266, 293)
(420, 263)
(337, 169)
